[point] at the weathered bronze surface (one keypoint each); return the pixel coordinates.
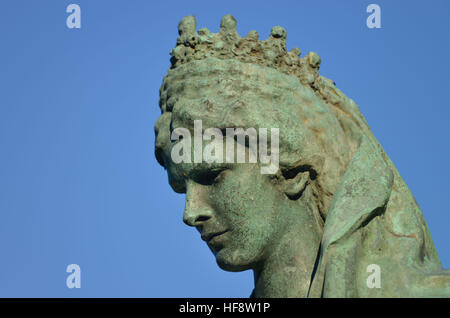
(336, 205)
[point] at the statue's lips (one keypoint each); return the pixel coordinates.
(207, 237)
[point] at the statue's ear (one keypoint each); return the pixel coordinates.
(295, 182)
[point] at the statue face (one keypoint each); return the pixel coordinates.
(241, 213)
(234, 207)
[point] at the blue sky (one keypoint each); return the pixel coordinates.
(78, 179)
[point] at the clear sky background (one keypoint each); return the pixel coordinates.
(78, 179)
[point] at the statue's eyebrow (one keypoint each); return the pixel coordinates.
(196, 168)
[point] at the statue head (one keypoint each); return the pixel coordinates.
(270, 222)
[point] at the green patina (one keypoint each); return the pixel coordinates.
(337, 203)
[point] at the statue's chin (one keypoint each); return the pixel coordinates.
(232, 267)
(231, 264)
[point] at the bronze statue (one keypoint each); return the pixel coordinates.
(335, 219)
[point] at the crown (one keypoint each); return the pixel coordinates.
(227, 44)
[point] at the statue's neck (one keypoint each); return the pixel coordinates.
(288, 269)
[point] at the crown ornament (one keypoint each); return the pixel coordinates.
(227, 44)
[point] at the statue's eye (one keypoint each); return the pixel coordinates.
(209, 177)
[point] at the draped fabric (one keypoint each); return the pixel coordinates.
(373, 219)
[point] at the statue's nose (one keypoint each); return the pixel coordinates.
(196, 218)
(196, 211)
